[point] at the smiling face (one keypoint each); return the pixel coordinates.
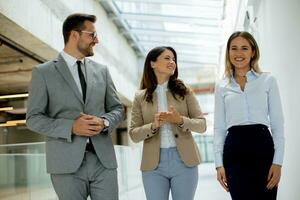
(165, 64)
(86, 41)
(240, 53)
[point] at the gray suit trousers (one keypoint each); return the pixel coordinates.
(91, 178)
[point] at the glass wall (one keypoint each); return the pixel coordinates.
(23, 172)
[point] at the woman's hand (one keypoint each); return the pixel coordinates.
(221, 176)
(274, 176)
(172, 116)
(157, 122)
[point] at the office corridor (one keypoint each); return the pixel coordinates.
(208, 189)
(26, 179)
(30, 34)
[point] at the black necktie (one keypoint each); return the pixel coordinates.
(82, 80)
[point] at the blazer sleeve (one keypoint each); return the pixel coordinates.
(138, 130)
(194, 121)
(37, 119)
(114, 110)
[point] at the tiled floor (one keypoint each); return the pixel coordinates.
(208, 189)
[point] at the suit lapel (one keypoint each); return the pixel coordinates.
(150, 109)
(154, 105)
(62, 67)
(90, 78)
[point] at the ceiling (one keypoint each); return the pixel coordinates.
(20, 51)
(192, 27)
(15, 69)
(15, 74)
(196, 29)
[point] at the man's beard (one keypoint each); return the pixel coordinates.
(86, 51)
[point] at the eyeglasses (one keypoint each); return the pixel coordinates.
(91, 34)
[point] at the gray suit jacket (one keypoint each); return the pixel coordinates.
(55, 101)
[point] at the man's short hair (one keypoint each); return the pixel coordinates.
(75, 22)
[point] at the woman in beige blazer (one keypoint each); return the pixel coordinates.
(164, 113)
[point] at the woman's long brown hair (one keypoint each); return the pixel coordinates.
(149, 81)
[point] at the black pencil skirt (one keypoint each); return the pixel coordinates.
(247, 157)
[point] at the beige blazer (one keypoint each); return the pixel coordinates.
(140, 128)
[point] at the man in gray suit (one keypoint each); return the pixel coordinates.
(73, 101)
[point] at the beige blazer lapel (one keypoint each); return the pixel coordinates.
(154, 105)
(148, 109)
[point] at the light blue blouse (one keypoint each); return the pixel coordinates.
(259, 103)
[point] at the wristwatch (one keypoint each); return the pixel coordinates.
(106, 123)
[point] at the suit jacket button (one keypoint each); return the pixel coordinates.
(176, 135)
(147, 135)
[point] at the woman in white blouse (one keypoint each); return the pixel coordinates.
(248, 132)
(164, 113)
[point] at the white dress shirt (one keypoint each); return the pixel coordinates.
(72, 65)
(166, 136)
(259, 103)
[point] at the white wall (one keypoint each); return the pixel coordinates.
(278, 31)
(44, 18)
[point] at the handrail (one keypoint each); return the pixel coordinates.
(21, 144)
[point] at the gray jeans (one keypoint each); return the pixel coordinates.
(171, 174)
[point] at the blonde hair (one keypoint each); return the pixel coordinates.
(229, 68)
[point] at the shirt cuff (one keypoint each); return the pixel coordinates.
(278, 159)
(218, 160)
(105, 130)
